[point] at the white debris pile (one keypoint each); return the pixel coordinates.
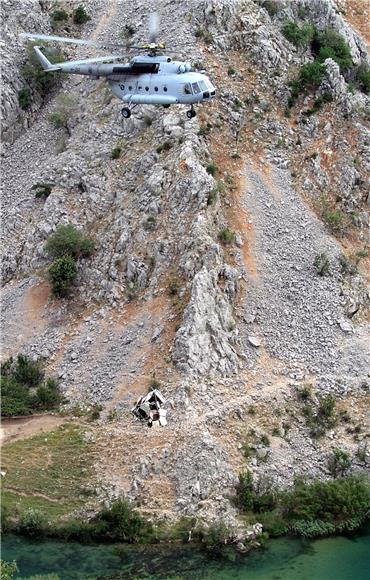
(150, 408)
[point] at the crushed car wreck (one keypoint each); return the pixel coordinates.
(150, 408)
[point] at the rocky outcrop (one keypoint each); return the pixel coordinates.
(204, 343)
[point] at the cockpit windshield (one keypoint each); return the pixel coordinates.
(203, 86)
(196, 88)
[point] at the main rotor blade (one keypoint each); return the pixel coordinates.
(94, 60)
(69, 40)
(153, 26)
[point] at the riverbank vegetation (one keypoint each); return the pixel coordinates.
(309, 509)
(25, 389)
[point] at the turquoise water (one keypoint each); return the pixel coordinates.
(338, 558)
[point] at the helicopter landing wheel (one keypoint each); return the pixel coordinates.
(126, 113)
(190, 114)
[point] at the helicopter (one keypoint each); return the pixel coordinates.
(150, 79)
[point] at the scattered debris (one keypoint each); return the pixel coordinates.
(254, 341)
(150, 408)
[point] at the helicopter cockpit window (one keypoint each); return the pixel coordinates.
(196, 88)
(187, 89)
(203, 86)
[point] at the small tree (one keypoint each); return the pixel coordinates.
(66, 108)
(42, 190)
(226, 236)
(69, 241)
(339, 462)
(80, 16)
(322, 264)
(24, 98)
(62, 274)
(32, 522)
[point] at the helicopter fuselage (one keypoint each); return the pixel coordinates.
(155, 80)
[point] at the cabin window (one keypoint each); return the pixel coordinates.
(130, 88)
(122, 87)
(187, 89)
(147, 88)
(165, 89)
(156, 89)
(196, 88)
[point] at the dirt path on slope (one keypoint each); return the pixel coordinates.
(13, 429)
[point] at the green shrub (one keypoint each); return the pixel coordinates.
(80, 16)
(62, 273)
(271, 6)
(339, 462)
(148, 121)
(212, 196)
(128, 31)
(211, 169)
(322, 264)
(214, 536)
(231, 71)
(32, 523)
(166, 146)
(227, 236)
(305, 393)
(330, 44)
(68, 241)
(8, 569)
(123, 522)
(24, 98)
(256, 498)
(35, 75)
(116, 152)
(59, 15)
(27, 371)
(328, 501)
(335, 220)
(362, 76)
(17, 378)
(299, 36)
(65, 108)
(47, 396)
(42, 190)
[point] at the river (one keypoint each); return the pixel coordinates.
(337, 558)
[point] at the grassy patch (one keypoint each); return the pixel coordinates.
(56, 465)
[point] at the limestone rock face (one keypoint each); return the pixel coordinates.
(17, 17)
(203, 344)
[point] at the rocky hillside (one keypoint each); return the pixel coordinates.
(230, 261)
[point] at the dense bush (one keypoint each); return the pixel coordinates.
(328, 501)
(65, 109)
(69, 241)
(62, 273)
(38, 79)
(80, 16)
(24, 98)
(299, 36)
(24, 388)
(362, 76)
(42, 190)
(253, 497)
(32, 523)
(116, 152)
(322, 264)
(8, 569)
(330, 44)
(226, 236)
(310, 509)
(59, 15)
(122, 522)
(339, 462)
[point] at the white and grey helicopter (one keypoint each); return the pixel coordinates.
(151, 79)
